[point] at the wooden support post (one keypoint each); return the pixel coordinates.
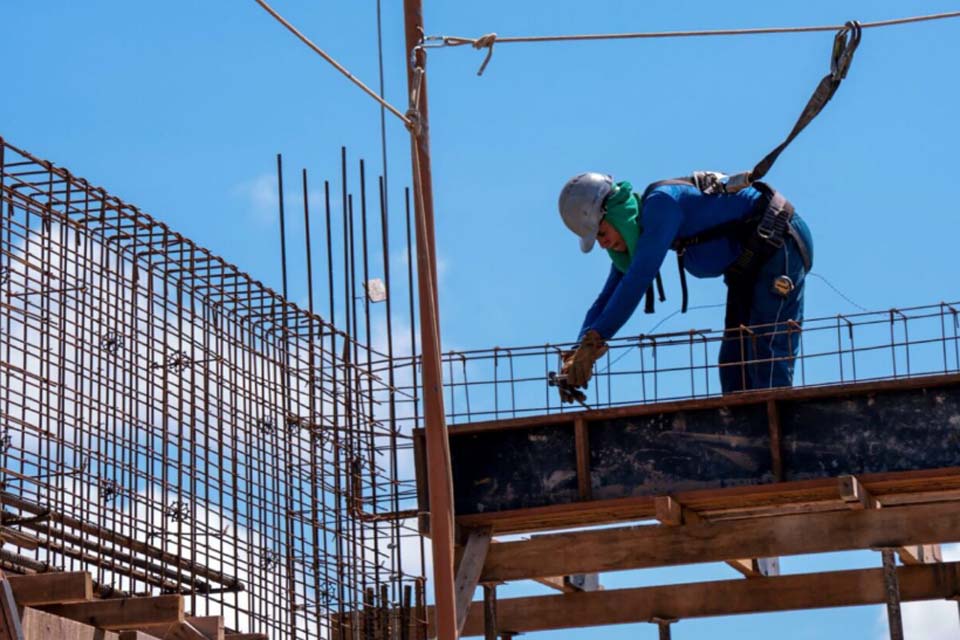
(671, 513)
(439, 478)
(489, 612)
(892, 593)
(468, 576)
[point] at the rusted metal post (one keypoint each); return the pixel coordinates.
(663, 625)
(439, 480)
(490, 612)
(892, 591)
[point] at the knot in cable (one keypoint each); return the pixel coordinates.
(486, 41)
(414, 124)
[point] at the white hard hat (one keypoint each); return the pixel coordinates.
(581, 205)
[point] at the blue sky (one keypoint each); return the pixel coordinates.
(180, 108)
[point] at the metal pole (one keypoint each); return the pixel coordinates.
(439, 480)
(490, 612)
(892, 591)
(664, 630)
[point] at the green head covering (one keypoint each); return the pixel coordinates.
(623, 212)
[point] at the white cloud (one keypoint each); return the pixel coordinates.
(260, 194)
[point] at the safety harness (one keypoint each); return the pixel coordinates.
(764, 230)
(761, 233)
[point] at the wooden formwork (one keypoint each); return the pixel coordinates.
(62, 606)
(743, 479)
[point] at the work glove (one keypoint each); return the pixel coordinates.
(578, 367)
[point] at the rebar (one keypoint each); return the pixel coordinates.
(172, 425)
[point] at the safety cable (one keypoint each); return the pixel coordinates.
(373, 94)
(487, 41)
(836, 290)
(654, 328)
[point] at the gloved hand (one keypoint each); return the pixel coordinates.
(579, 367)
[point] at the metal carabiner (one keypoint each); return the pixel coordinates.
(844, 45)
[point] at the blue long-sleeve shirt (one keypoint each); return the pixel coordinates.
(669, 212)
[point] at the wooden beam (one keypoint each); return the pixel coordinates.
(776, 448)
(134, 635)
(582, 445)
(671, 513)
(247, 636)
(654, 546)
(855, 494)
(39, 625)
(124, 613)
(728, 597)
(468, 574)
(51, 588)
(210, 626)
(858, 497)
(184, 631)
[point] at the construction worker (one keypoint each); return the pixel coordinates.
(751, 236)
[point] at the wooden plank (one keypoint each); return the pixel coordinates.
(671, 513)
(856, 496)
(729, 597)
(184, 631)
(921, 554)
(40, 625)
(210, 626)
(124, 613)
(52, 588)
(137, 635)
(751, 440)
(468, 575)
(582, 445)
(668, 511)
(652, 546)
(771, 499)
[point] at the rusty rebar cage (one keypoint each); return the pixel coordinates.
(510, 382)
(174, 426)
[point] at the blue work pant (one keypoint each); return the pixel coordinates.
(762, 355)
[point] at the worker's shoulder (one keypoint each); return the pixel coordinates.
(672, 191)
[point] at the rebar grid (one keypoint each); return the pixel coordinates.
(510, 382)
(172, 425)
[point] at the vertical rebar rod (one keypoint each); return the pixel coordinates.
(391, 379)
(283, 233)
